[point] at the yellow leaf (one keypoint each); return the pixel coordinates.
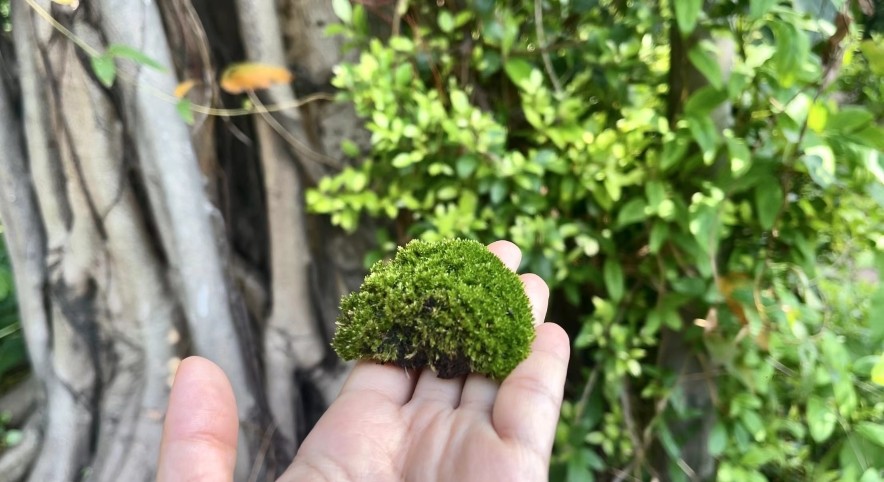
(249, 76)
(184, 87)
(878, 372)
(67, 3)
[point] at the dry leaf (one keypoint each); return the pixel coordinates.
(184, 87)
(250, 76)
(727, 285)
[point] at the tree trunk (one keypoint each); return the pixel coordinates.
(137, 240)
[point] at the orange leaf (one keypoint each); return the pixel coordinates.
(247, 76)
(726, 285)
(184, 87)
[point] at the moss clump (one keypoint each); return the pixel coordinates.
(451, 305)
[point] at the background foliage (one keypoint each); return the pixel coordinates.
(12, 350)
(13, 359)
(712, 172)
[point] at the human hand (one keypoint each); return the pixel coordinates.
(388, 424)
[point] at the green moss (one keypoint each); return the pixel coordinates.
(451, 305)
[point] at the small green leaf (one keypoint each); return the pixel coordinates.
(704, 224)
(673, 153)
(185, 110)
(849, 119)
(656, 194)
(446, 21)
(820, 419)
(704, 100)
(701, 55)
(402, 44)
(401, 160)
(343, 10)
(717, 440)
(753, 423)
(498, 191)
(632, 212)
(792, 49)
(757, 8)
(817, 117)
(740, 156)
(768, 202)
(703, 131)
(873, 50)
(459, 101)
(104, 68)
(659, 233)
(13, 438)
(403, 75)
(465, 165)
(613, 274)
(137, 56)
(870, 475)
(873, 432)
(820, 163)
(518, 70)
(349, 148)
(686, 14)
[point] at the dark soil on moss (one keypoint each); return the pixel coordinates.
(409, 358)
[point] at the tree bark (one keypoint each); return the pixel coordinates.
(137, 240)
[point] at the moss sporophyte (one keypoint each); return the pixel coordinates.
(451, 305)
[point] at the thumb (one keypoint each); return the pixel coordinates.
(199, 434)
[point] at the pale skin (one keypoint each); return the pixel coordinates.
(391, 425)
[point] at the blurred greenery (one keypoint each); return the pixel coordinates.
(714, 171)
(13, 359)
(5, 21)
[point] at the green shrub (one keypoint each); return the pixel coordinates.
(661, 182)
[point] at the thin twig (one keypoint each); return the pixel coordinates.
(61, 28)
(631, 428)
(299, 146)
(544, 54)
(587, 391)
(262, 452)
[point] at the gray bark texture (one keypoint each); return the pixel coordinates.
(137, 239)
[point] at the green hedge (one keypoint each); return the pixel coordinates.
(715, 174)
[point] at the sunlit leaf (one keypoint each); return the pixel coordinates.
(251, 76)
(873, 50)
(873, 432)
(878, 372)
(820, 419)
(343, 10)
(446, 21)
(686, 14)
